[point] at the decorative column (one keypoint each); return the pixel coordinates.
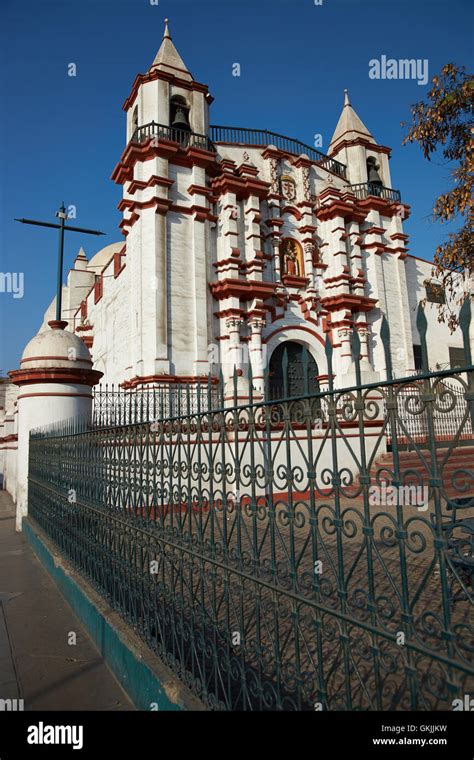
(233, 325)
(55, 380)
(256, 325)
(307, 226)
(234, 363)
(274, 220)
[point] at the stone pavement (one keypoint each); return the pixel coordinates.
(37, 662)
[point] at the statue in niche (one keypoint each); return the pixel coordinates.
(291, 258)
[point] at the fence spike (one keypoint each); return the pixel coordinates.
(305, 366)
(385, 338)
(328, 351)
(355, 344)
(221, 387)
(355, 351)
(170, 402)
(464, 324)
(235, 378)
(188, 399)
(328, 347)
(209, 393)
(284, 367)
(422, 326)
(250, 379)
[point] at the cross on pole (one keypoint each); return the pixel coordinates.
(61, 226)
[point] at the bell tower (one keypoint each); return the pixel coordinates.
(164, 172)
(166, 95)
(378, 238)
(353, 145)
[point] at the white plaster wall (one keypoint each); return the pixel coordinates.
(44, 408)
(111, 326)
(438, 336)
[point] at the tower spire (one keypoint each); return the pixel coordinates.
(349, 126)
(168, 59)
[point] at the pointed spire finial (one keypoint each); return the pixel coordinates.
(168, 59)
(349, 126)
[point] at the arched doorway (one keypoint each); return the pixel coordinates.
(287, 371)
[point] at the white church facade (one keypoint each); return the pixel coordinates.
(238, 242)
(232, 246)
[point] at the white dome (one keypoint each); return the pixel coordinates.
(56, 348)
(102, 257)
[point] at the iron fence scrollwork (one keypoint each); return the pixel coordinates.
(268, 552)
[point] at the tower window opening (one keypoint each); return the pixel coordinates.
(373, 177)
(179, 119)
(134, 126)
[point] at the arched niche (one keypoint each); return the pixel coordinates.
(179, 113)
(134, 123)
(291, 258)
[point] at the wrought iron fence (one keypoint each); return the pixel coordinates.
(274, 554)
(114, 405)
(448, 414)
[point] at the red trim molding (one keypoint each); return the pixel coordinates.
(153, 74)
(243, 289)
(71, 375)
(294, 327)
(52, 358)
(349, 301)
(54, 395)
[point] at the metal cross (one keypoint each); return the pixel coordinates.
(61, 226)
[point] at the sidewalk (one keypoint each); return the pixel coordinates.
(37, 664)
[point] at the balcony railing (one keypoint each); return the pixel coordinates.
(172, 134)
(364, 189)
(262, 137)
(236, 136)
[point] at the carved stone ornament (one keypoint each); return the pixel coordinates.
(288, 187)
(274, 176)
(306, 184)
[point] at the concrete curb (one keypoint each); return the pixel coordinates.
(143, 676)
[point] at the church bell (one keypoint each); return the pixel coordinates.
(180, 119)
(373, 175)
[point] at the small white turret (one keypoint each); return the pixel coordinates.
(55, 380)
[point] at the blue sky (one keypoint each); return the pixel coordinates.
(62, 136)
